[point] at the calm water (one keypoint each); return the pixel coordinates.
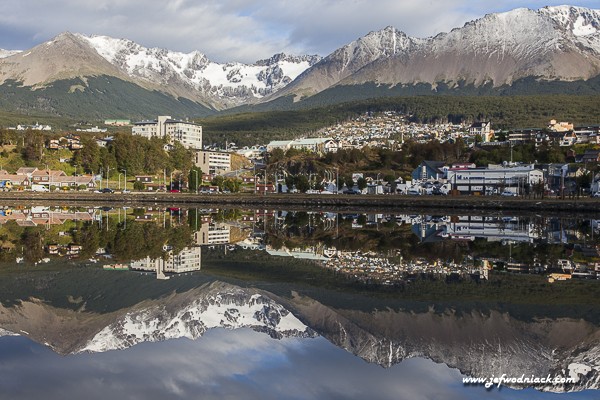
(208, 303)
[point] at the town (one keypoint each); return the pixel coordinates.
(168, 155)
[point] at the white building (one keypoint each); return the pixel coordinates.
(213, 162)
(253, 152)
(284, 145)
(188, 260)
(483, 129)
(187, 133)
(494, 179)
(213, 233)
(315, 145)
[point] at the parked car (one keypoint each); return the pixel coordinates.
(106, 190)
(507, 193)
(174, 191)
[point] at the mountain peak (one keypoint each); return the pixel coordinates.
(578, 20)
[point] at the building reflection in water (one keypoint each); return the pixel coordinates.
(560, 248)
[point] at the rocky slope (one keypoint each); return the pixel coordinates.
(553, 43)
(192, 76)
(478, 344)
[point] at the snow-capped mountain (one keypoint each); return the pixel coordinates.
(553, 43)
(479, 344)
(178, 315)
(349, 59)
(226, 307)
(230, 83)
(192, 75)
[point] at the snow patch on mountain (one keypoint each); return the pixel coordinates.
(8, 53)
(230, 310)
(198, 72)
(4, 332)
(578, 20)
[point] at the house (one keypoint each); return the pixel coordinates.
(568, 139)
(60, 179)
(15, 179)
(47, 177)
(559, 126)
(483, 129)
(523, 135)
(26, 171)
(262, 188)
(144, 178)
(104, 142)
(429, 170)
(591, 156)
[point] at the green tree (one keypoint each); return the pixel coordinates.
(181, 158)
(88, 157)
(138, 185)
(361, 183)
(233, 185)
(219, 181)
(33, 149)
(302, 183)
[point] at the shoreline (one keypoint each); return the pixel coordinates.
(583, 205)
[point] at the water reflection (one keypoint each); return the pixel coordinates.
(470, 292)
(372, 248)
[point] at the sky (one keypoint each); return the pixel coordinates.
(241, 30)
(240, 364)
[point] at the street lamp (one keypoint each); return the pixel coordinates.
(120, 180)
(196, 182)
(125, 181)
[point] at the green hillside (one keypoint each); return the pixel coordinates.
(508, 112)
(97, 98)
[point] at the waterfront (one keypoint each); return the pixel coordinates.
(254, 303)
(583, 205)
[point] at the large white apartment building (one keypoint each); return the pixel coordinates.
(187, 133)
(188, 260)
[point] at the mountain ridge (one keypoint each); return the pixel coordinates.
(551, 44)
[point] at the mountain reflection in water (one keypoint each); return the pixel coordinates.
(470, 292)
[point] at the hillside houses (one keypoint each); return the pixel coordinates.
(27, 176)
(70, 142)
(314, 145)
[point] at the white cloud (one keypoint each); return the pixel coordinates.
(221, 364)
(240, 30)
